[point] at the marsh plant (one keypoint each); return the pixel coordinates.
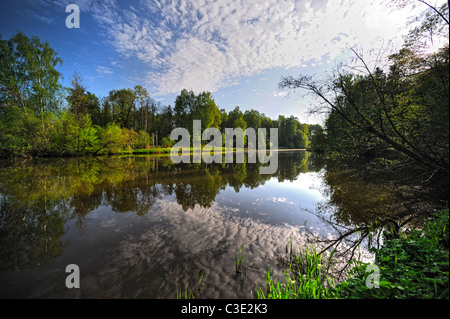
(306, 277)
(241, 260)
(187, 292)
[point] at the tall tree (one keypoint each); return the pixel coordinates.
(122, 103)
(142, 98)
(397, 121)
(184, 105)
(81, 101)
(28, 75)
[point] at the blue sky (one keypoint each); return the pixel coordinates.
(236, 49)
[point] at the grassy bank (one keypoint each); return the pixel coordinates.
(139, 151)
(415, 265)
(166, 150)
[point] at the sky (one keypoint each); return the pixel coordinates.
(236, 49)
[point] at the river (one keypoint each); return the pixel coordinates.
(143, 227)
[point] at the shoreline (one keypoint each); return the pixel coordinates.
(147, 152)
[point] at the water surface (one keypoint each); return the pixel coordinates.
(142, 227)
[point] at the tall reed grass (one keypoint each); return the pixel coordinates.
(306, 278)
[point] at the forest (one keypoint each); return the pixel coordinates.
(39, 117)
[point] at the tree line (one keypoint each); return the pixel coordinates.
(40, 117)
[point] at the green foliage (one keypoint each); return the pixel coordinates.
(413, 266)
(72, 135)
(291, 133)
(189, 107)
(56, 134)
(82, 102)
(167, 142)
(28, 75)
(388, 121)
(111, 138)
(23, 133)
(122, 103)
(319, 141)
(34, 124)
(129, 138)
(143, 140)
(305, 278)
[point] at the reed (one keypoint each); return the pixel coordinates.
(305, 278)
(188, 294)
(241, 262)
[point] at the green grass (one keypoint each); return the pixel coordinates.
(413, 266)
(188, 293)
(305, 278)
(241, 260)
(156, 150)
(416, 265)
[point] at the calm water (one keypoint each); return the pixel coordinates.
(142, 227)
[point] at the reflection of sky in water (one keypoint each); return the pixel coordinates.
(133, 235)
(276, 203)
(123, 255)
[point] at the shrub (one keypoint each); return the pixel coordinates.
(111, 139)
(143, 140)
(167, 142)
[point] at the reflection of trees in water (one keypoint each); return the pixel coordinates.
(30, 233)
(363, 211)
(355, 200)
(37, 199)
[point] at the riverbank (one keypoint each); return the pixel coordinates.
(160, 151)
(414, 265)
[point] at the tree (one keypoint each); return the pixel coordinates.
(111, 139)
(28, 75)
(106, 112)
(224, 119)
(142, 97)
(143, 140)
(72, 135)
(253, 118)
(165, 121)
(122, 104)
(205, 109)
(318, 140)
(431, 24)
(82, 102)
(184, 105)
(397, 121)
(236, 119)
(189, 107)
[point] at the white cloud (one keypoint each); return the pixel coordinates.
(103, 70)
(206, 45)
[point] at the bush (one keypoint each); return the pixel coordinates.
(111, 139)
(167, 142)
(129, 138)
(143, 140)
(72, 135)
